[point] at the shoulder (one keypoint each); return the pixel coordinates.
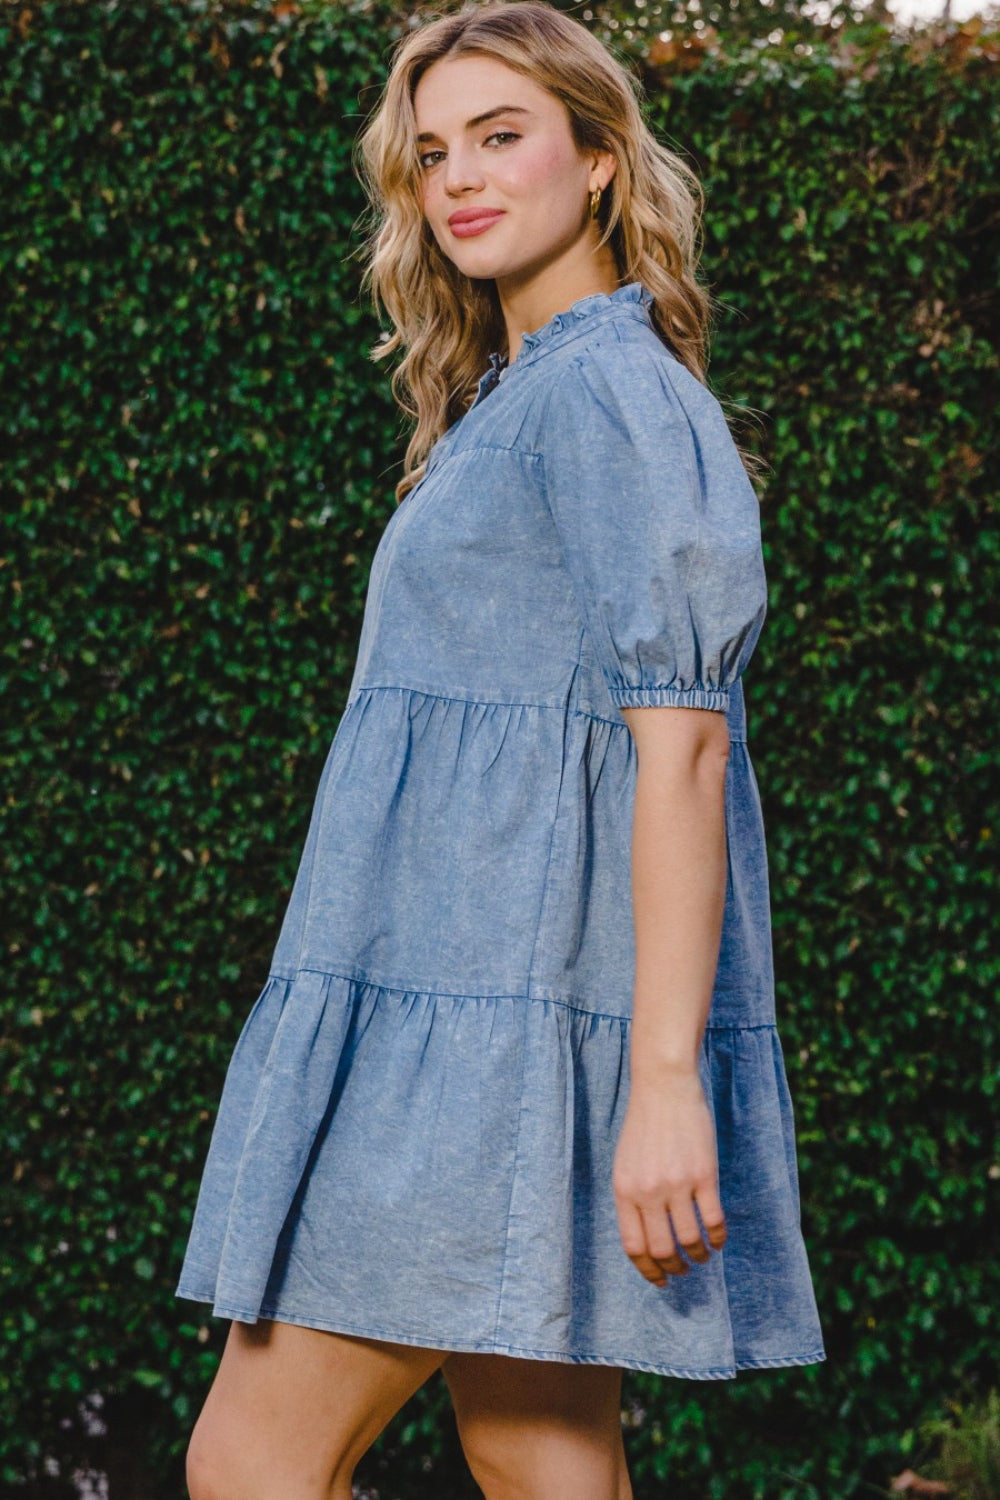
(626, 372)
(621, 409)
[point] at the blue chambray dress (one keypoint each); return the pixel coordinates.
(416, 1134)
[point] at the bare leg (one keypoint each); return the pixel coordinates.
(540, 1430)
(292, 1410)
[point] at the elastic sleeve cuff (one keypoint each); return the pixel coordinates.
(654, 697)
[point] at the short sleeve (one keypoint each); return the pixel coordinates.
(659, 525)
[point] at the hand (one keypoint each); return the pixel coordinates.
(665, 1163)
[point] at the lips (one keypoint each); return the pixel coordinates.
(469, 222)
(473, 215)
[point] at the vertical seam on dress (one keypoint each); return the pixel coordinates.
(525, 1011)
(528, 997)
(569, 710)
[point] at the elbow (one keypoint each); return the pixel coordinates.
(711, 755)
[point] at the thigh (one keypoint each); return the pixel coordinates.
(292, 1410)
(539, 1429)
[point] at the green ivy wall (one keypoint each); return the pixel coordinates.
(198, 460)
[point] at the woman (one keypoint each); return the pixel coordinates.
(514, 1079)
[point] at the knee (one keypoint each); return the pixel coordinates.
(504, 1460)
(218, 1467)
(214, 1469)
(204, 1472)
(561, 1464)
(489, 1468)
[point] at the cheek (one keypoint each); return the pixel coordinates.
(541, 169)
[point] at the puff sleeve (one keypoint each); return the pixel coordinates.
(659, 525)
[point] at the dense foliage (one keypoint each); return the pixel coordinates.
(199, 458)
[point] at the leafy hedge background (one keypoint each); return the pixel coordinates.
(198, 461)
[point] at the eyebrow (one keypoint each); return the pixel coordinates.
(501, 109)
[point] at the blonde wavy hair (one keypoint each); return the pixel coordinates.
(448, 324)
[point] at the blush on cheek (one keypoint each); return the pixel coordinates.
(541, 166)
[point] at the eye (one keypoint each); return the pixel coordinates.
(510, 135)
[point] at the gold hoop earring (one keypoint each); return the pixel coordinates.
(595, 202)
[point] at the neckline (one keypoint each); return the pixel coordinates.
(633, 296)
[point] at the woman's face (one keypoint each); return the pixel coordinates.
(521, 163)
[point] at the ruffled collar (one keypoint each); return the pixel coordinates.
(633, 298)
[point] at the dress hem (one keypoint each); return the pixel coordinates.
(495, 1346)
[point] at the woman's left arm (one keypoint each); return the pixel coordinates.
(666, 1160)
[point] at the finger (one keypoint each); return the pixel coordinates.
(712, 1216)
(687, 1233)
(650, 1269)
(660, 1240)
(633, 1237)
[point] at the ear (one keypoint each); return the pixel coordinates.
(606, 163)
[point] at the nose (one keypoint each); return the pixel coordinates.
(461, 173)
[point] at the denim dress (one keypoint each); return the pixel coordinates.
(416, 1134)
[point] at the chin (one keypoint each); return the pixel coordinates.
(483, 270)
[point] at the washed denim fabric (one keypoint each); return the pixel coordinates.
(416, 1135)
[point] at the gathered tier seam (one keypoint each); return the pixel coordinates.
(521, 997)
(559, 706)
